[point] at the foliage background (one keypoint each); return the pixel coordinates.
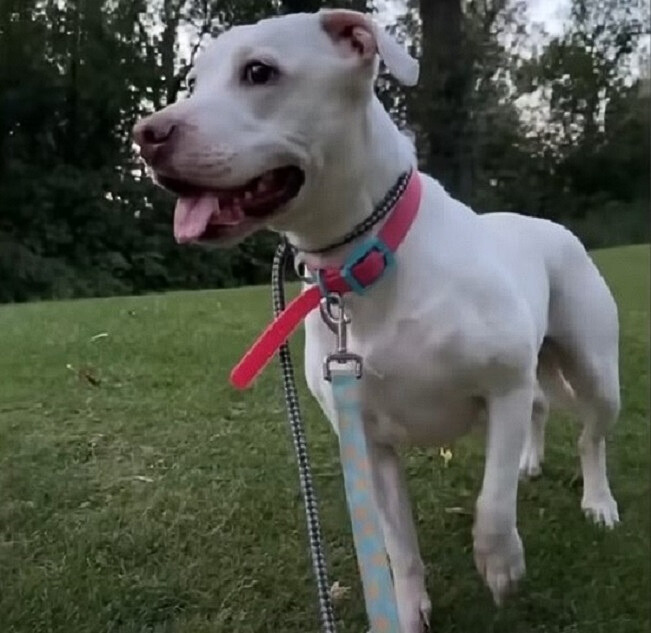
(506, 116)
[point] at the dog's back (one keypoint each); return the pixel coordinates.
(581, 332)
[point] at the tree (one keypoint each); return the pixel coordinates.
(439, 103)
(463, 97)
(586, 79)
(78, 215)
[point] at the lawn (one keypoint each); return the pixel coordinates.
(140, 493)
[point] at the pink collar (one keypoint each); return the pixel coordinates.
(365, 266)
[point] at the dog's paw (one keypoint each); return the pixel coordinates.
(414, 605)
(531, 459)
(500, 561)
(530, 464)
(601, 508)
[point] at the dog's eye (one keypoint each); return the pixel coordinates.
(257, 73)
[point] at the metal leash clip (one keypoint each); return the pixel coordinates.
(334, 314)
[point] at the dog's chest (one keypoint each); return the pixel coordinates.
(418, 385)
(431, 352)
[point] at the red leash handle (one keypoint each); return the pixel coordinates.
(276, 333)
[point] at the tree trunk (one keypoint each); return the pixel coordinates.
(310, 6)
(441, 110)
(301, 6)
(72, 111)
(172, 17)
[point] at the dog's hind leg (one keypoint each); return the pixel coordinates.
(593, 394)
(400, 538)
(552, 392)
(533, 453)
(597, 388)
(584, 328)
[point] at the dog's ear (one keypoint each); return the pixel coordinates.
(359, 35)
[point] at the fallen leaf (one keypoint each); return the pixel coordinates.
(446, 454)
(457, 510)
(338, 592)
(147, 480)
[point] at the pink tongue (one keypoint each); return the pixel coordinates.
(191, 217)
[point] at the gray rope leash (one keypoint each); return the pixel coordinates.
(280, 260)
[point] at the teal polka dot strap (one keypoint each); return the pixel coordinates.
(373, 564)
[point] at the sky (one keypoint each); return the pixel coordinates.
(549, 12)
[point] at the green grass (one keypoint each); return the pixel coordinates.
(161, 500)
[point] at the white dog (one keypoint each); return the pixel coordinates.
(482, 322)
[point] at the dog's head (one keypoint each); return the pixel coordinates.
(268, 104)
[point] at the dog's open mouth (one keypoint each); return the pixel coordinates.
(204, 214)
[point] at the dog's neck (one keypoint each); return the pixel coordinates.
(356, 176)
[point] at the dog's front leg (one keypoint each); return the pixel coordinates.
(401, 541)
(499, 555)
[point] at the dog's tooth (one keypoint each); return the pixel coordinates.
(248, 195)
(262, 186)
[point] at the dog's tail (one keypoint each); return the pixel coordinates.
(553, 382)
